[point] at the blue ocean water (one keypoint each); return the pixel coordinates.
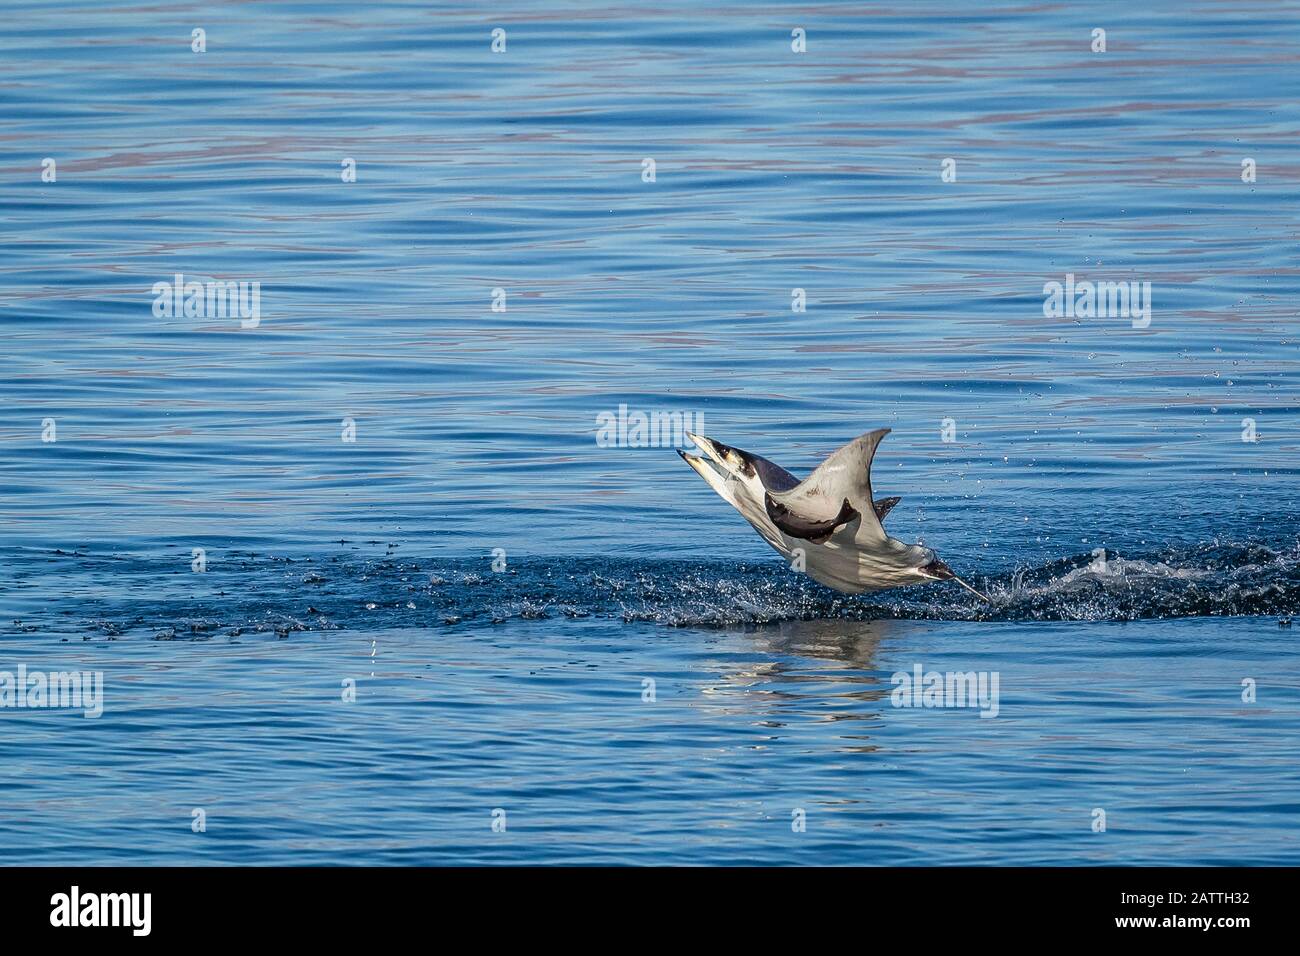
(395, 489)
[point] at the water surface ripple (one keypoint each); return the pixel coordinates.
(1096, 476)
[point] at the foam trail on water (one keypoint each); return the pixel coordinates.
(245, 593)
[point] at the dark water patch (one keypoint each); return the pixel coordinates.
(249, 593)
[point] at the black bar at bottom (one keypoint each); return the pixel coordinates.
(338, 905)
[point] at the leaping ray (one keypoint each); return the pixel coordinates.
(829, 522)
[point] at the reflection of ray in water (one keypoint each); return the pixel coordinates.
(792, 687)
(834, 639)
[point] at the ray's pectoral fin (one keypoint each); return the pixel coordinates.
(816, 530)
(884, 506)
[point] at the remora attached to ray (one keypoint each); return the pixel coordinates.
(829, 524)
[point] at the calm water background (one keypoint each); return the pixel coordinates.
(476, 430)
